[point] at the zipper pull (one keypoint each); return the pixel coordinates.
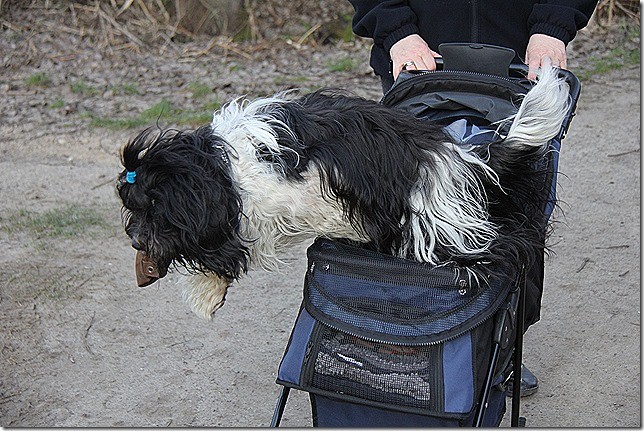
(462, 284)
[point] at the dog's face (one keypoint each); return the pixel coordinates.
(180, 203)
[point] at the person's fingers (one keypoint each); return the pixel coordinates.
(412, 65)
(533, 66)
(429, 60)
(536, 62)
(409, 53)
(425, 63)
(422, 62)
(543, 51)
(406, 65)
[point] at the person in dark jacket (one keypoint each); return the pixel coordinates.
(406, 34)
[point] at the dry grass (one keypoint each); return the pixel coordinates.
(609, 11)
(252, 26)
(137, 24)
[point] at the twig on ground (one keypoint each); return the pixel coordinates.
(86, 335)
(163, 10)
(11, 26)
(125, 7)
(124, 31)
(226, 45)
(104, 183)
(255, 32)
(310, 31)
(583, 265)
(611, 247)
(146, 11)
(636, 150)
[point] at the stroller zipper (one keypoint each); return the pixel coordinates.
(411, 80)
(423, 275)
(425, 344)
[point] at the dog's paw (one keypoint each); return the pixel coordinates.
(204, 293)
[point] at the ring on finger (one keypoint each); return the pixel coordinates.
(409, 64)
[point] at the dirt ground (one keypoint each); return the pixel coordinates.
(82, 346)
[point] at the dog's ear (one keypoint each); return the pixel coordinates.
(131, 162)
(189, 199)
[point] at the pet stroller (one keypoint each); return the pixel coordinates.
(383, 341)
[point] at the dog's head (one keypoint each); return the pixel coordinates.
(180, 203)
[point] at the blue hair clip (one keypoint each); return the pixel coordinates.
(130, 177)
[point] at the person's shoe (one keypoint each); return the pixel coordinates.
(529, 383)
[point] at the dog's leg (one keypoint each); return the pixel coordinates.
(204, 293)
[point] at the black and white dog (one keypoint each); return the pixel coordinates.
(269, 173)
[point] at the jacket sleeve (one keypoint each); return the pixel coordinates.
(560, 18)
(386, 22)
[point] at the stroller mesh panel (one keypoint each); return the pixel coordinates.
(410, 314)
(380, 372)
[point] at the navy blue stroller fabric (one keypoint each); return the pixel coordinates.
(378, 334)
(332, 413)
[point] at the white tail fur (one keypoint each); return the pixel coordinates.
(542, 111)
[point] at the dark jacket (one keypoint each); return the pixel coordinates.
(508, 23)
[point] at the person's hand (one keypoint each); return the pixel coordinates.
(412, 52)
(542, 47)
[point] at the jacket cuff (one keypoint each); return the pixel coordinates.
(552, 30)
(398, 34)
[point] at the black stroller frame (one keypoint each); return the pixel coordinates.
(488, 63)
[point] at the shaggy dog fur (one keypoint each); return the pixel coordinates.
(273, 172)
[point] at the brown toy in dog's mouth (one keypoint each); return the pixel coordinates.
(146, 269)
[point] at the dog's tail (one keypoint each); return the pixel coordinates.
(520, 186)
(538, 120)
(541, 114)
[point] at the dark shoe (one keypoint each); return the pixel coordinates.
(529, 383)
